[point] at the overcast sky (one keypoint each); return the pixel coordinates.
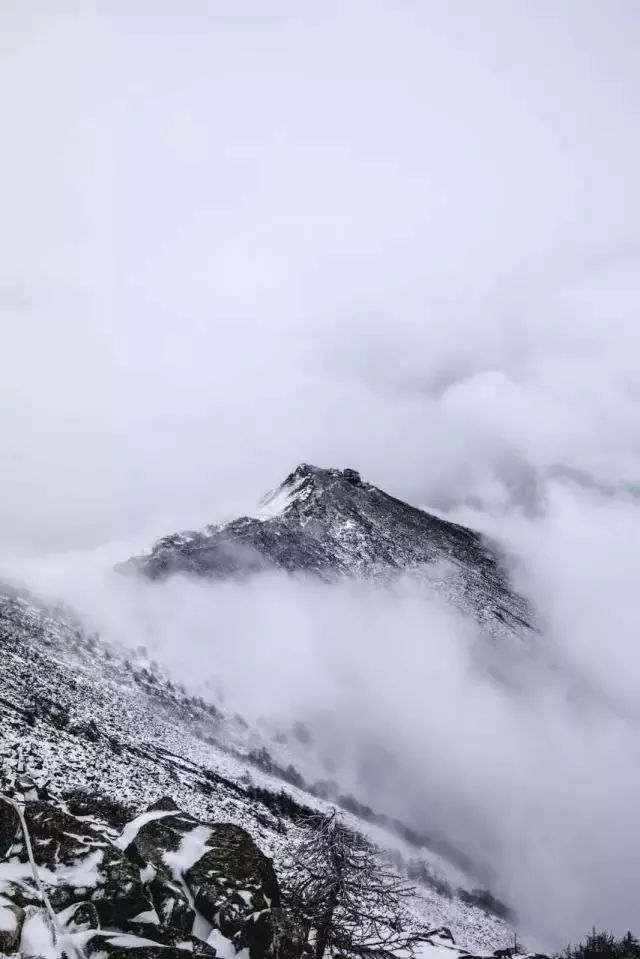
(399, 236)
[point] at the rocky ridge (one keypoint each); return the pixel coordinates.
(94, 738)
(329, 523)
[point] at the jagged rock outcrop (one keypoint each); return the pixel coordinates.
(231, 883)
(167, 884)
(328, 523)
(235, 888)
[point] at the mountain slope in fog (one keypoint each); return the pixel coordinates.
(87, 724)
(328, 523)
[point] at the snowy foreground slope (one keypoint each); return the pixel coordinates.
(156, 822)
(328, 523)
(87, 733)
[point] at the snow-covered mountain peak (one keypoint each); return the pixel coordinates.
(304, 484)
(329, 523)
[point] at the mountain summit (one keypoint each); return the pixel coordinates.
(137, 815)
(331, 523)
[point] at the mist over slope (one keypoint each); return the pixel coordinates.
(330, 523)
(404, 237)
(511, 756)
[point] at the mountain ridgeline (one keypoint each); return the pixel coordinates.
(330, 523)
(139, 820)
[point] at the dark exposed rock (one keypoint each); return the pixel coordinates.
(157, 837)
(172, 862)
(442, 932)
(328, 522)
(232, 882)
(83, 803)
(85, 916)
(9, 826)
(88, 866)
(172, 906)
(235, 888)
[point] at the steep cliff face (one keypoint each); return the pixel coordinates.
(329, 523)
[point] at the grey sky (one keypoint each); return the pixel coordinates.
(236, 236)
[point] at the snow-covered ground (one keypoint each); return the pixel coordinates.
(78, 715)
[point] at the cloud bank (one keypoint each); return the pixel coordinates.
(403, 238)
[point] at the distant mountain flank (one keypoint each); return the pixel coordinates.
(330, 523)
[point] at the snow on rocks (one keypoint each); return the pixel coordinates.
(99, 897)
(102, 740)
(329, 523)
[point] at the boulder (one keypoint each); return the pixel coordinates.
(158, 831)
(172, 906)
(233, 884)
(235, 888)
(136, 892)
(87, 866)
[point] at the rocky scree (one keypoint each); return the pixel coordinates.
(165, 880)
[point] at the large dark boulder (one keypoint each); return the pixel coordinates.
(233, 884)
(87, 866)
(162, 829)
(137, 893)
(235, 888)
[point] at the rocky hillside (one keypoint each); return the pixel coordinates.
(328, 523)
(139, 819)
(91, 737)
(86, 877)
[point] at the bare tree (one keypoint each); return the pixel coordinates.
(348, 903)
